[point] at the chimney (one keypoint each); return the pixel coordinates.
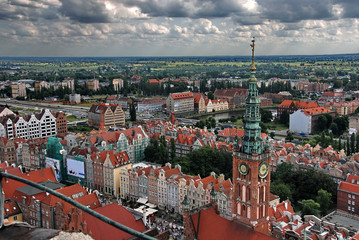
(221, 178)
(286, 205)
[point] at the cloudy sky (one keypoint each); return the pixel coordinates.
(177, 27)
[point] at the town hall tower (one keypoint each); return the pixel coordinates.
(251, 165)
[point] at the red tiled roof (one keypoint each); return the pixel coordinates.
(100, 230)
(37, 176)
(173, 171)
(67, 191)
(150, 81)
(232, 132)
(317, 110)
(111, 97)
(230, 92)
(350, 187)
(212, 226)
(197, 97)
(11, 208)
(182, 95)
(353, 179)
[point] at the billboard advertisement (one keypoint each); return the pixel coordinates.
(55, 165)
(75, 168)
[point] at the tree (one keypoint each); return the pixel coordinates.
(133, 111)
(322, 123)
(210, 95)
(282, 190)
(173, 149)
(357, 143)
(272, 134)
(325, 200)
(334, 128)
(266, 116)
(289, 137)
(284, 118)
(310, 207)
(352, 143)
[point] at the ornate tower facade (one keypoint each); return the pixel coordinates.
(251, 166)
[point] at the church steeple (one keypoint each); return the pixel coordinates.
(252, 142)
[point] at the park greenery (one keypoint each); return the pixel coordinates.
(310, 191)
(202, 161)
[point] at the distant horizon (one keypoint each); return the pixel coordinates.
(184, 56)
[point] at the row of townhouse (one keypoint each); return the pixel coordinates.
(44, 124)
(102, 171)
(188, 103)
(28, 153)
(203, 104)
(133, 141)
(168, 188)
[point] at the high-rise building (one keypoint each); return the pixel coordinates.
(251, 166)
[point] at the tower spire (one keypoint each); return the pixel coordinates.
(253, 67)
(252, 141)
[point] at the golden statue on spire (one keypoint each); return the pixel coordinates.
(253, 68)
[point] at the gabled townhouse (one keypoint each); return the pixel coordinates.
(143, 182)
(112, 166)
(153, 183)
(43, 124)
(134, 141)
(98, 177)
(223, 196)
(235, 96)
(162, 187)
(219, 104)
(106, 116)
(7, 150)
(125, 183)
(196, 190)
(183, 184)
(208, 105)
(199, 103)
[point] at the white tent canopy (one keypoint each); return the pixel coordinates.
(142, 200)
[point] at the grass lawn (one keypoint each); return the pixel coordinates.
(276, 126)
(71, 118)
(239, 122)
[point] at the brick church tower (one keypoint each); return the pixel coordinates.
(251, 166)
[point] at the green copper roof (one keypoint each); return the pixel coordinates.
(252, 141)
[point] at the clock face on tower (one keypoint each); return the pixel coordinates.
(243, 169)
(263, 169)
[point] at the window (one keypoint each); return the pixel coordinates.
(349, 202)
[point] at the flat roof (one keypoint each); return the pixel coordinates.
(343, 219)
(29, 190)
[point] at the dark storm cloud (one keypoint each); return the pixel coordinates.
(350, 8)
(295, 11)
(185, 8)
(246, 12)
(85, 11)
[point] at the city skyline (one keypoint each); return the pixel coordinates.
(55, 28)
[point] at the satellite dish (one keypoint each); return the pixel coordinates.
(62, 151)
(103, 144)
